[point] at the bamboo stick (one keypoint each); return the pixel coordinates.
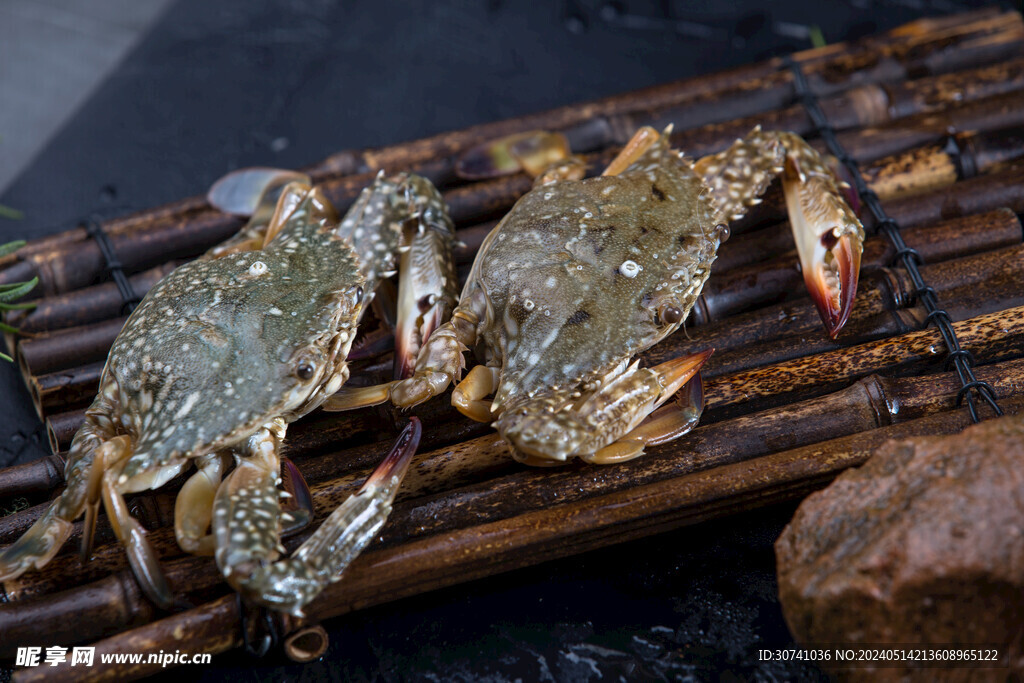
(90, 304)
(932, 167)
(761, 87)
(491, 547)
(73, 388)
(61, 428)
(869, 106)
(43, 474)
(68, 348)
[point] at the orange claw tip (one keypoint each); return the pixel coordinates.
(835, 307)
(396, 462)
(678, 371)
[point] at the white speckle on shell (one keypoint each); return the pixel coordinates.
(630, 268)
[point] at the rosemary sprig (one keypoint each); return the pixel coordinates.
(12, 291)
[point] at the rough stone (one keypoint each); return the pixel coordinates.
(924, 544)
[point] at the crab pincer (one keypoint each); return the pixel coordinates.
(248, 545)
(828, 235)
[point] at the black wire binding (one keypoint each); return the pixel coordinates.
(114, 266)
(909, 258)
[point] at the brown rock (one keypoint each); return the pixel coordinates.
(924, 544)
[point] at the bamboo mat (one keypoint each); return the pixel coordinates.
(787, 408)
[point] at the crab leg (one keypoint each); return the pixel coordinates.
(642, 140)
(438, 364)
(663, 425)
(469, 395)
(253, 192)
(141, 558)
(828, 235)
(246, 524)
(193, 508)
(42, 541)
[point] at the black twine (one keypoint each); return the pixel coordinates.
(114, 266)
(909, 258)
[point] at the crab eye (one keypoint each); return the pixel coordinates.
(671, 314)
(359, 295)
(305, 369)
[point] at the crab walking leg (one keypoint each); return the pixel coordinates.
(828, 235)
(468, 396)
(143, 561)
(44, 538)
(642, 140)
(438, 364)
(246, 524)
(598, 421)
(255, 191)
(193, 508)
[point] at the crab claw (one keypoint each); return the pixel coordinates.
(247, 549)
(829, 239)
(832, 282)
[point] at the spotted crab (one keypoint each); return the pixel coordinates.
(583, 274)
(216, 362)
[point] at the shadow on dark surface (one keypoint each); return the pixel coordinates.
(695, 604)
(216, 86)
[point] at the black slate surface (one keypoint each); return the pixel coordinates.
(219, 85)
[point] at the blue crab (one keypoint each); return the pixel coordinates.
(215, 363)
(583, 274)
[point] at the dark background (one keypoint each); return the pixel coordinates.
(219, 85)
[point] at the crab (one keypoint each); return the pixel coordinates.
(216, 362)
(583, 274)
